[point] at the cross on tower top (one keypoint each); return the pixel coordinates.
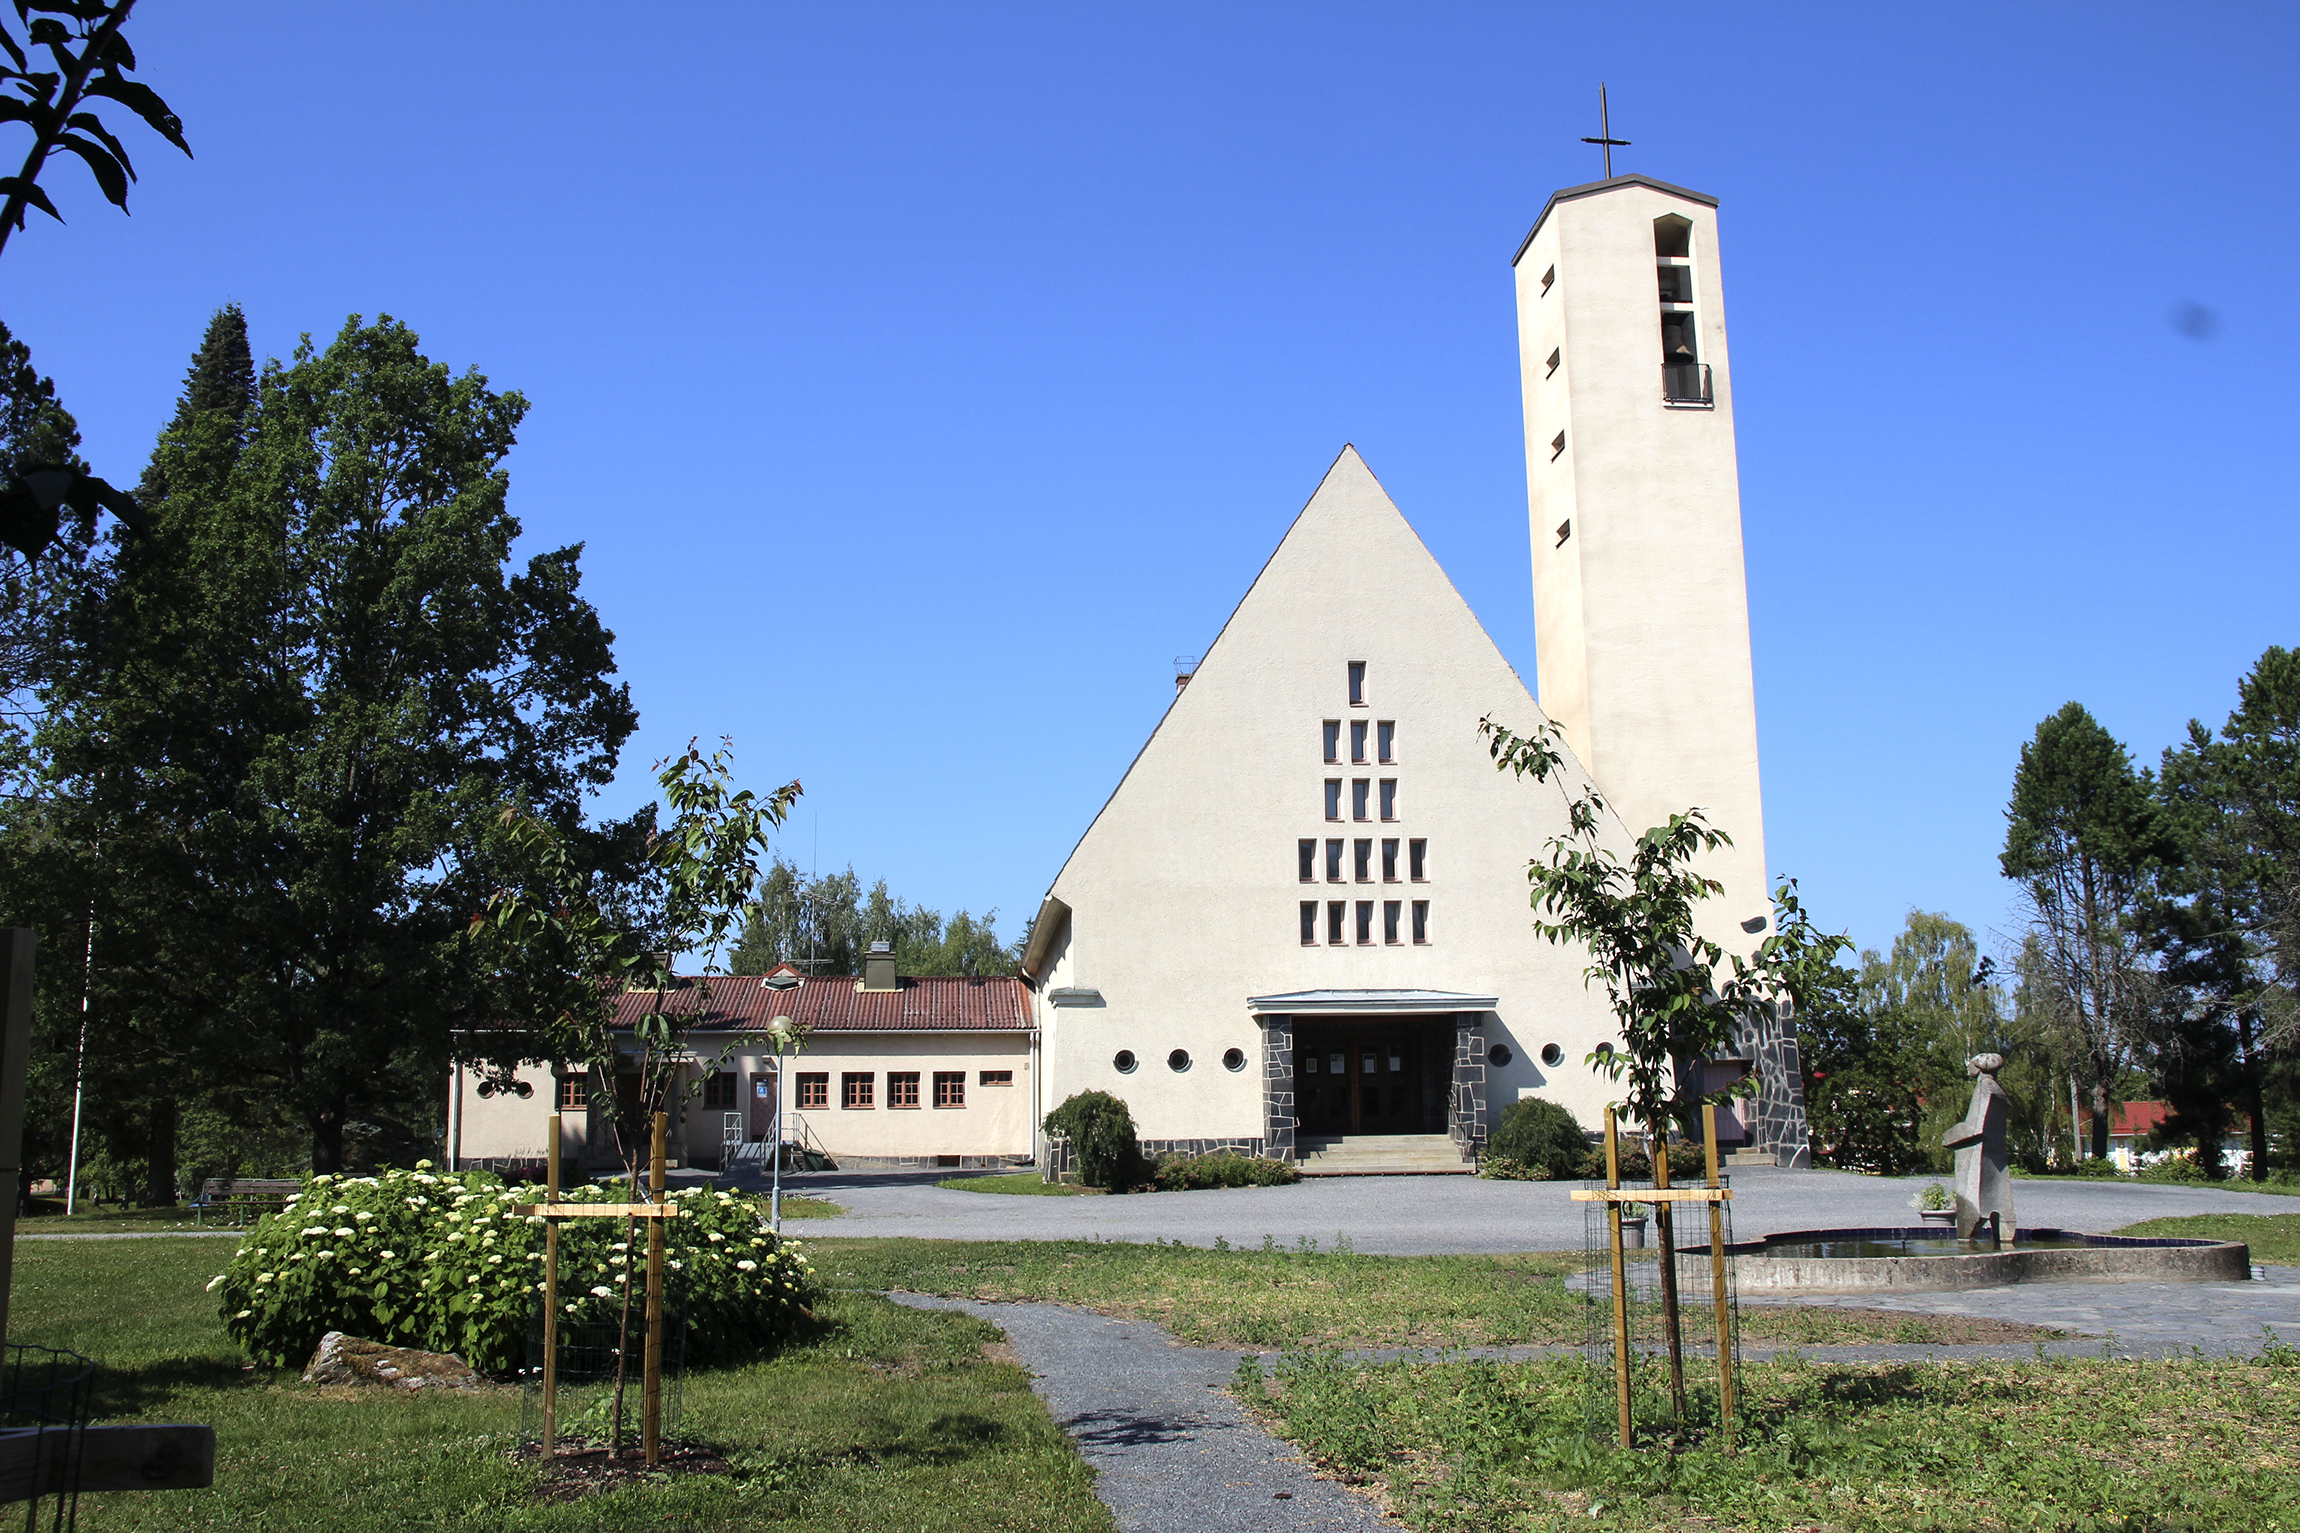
(1606, 140)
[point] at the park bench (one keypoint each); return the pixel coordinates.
(243, 1194)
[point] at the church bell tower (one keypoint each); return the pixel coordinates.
(1641, 607)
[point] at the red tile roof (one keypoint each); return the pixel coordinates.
(2134, 1119)
(835, 1003)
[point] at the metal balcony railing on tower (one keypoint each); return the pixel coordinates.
(1686, 383)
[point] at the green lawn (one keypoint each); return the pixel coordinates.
(2272, 1237)
(110, 1219)
(2195, 1446)
(1028, 1184)
(887, 1421)
(795, 1207)
(1280, 1297)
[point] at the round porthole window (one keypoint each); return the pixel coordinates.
(1552, 1055)
(1605, 1050)
(1123, 1062)
(1499, 1054)
(1234, 1060)
(1178, 1061)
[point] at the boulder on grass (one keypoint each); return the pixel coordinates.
(342, 1359)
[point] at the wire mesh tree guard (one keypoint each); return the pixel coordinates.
(1664, 1319)
(588, 1361)
(44, 1394)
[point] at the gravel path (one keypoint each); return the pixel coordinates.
(1424, 1215)
(1170, 1448)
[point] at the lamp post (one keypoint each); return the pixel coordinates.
(784, 1033)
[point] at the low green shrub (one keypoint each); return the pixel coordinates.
(1500, 1168)
(414, 1259)
(2101, 1168)
(1636, 1165)
(1223, 1168)
(1101, 1130)
(2176, 1168)
(1534, 1132)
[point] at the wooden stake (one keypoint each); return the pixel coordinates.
(551, 1293)
(1620, 1279)
(1671, 1322)
(1717, 1260)
(651, 1390)
(17, 947)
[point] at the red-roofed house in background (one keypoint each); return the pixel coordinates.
(2130, 1125)
(896, 1072)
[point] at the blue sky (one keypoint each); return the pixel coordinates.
(923, 379)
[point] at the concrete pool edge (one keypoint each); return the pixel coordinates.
(2103, 1259)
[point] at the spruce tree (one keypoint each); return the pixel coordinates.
(221, 381)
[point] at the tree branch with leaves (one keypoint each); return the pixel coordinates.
(92, 59)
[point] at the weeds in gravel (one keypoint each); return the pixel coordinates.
(2169, 1447)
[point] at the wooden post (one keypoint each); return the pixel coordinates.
(1717, 1260)
(18, 945)
(1620, 1279)
(651, 1390)
(551, 1293)
(1665, 1225)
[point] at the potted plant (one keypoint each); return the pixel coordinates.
(1633, 1225)
(1935, 1204)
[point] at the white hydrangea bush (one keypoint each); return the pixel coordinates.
(419, 1259)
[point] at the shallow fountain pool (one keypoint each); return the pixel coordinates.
(1887, 1258)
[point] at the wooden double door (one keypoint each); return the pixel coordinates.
(1376, 1076)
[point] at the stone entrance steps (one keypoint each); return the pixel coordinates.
(1380, 1155)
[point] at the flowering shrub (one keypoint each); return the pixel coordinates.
(415, 1259)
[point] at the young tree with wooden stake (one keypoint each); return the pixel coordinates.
(1679, 998)
(578, 949)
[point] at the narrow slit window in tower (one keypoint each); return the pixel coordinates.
(1307, 854)
(1365, 923)
(1336, 913)
(1333, 740)
(1309, 923)
(1333, 798)
(1417, 860)
(1357, 742)
(1333, 862)
(1386, 741)
(1357, 683)
(1389, 862)
(1364, 861)
(1421, 921)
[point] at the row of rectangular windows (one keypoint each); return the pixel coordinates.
(858, 1090)
(1338, 924)
(814, 1089)
(1385, 741)
(1362, 798)
(1362, 859)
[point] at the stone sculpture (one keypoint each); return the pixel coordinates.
(1984, 1180)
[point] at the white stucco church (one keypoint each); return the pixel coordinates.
(1300, 923)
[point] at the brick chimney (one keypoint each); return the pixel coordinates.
(878, 968)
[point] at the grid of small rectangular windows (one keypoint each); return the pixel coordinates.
(858, 1089)
(1361, 797)
(1386, 741)
(814, 1089)
(1389, 798)
(950, 1088)
(719, 1089)
(1421, 920)
(1364, 851)
(1417, 860)
(902, 1088)
(1358, 742)
(1389, 862)
(1390, 922)
(1309, 923)
(1333, 798)
(1308, 857)
(1365, 923)
(1337, 912)
(994, 1078)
